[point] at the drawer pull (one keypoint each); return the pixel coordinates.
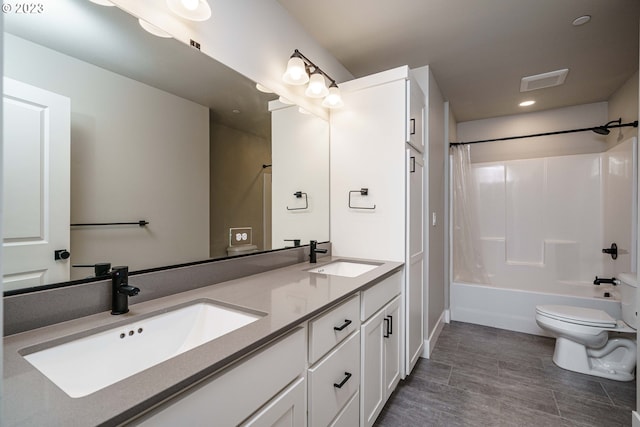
(386, 333)
(347, 375)
(346, 323)
(390, 325)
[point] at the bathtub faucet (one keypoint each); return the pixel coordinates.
(600, 280)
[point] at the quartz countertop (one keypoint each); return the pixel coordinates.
(289, 296)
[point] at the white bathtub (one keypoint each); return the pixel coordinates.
(515, 309)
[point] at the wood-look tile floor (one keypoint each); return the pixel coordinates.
(481, 376)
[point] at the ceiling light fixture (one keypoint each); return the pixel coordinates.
(102, 2)
(150, 28)
(263, 89)
(527, 103)
(300, 70)
(193, 10)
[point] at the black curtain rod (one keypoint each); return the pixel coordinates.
(634, 124)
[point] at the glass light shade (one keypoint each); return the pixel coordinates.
(185, 9)
(296, 73)
(317, 87)
(153, 29)
(263, 89)
(285, 101)
(333, 100)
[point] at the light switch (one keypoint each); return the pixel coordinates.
(433, 219)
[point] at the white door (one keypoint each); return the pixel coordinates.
(414, 310)
(36, 161)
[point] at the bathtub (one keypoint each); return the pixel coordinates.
(515, 309)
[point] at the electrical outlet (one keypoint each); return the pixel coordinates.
(240, 236)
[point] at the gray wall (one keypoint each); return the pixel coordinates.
(236, 185)
(624, 104)
(136, 153)
(436, 203)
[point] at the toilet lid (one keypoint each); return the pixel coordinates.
(579, 315)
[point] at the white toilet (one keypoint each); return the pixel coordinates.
(588, 340)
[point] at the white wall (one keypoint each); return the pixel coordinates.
(624, 104)
(119, 127)
(368, 151)
(576, 117)
(544, 221)
(254, 37)
(300, 162)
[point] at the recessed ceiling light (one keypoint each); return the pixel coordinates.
(527, 103)
(581, 20)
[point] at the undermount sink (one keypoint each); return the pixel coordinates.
(344, 268)
(88, 364)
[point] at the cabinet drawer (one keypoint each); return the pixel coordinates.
(235, 393)
(326, 331)
(350, 415)
(325, 398)
(374, 298)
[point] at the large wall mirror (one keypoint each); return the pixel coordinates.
(105, 123)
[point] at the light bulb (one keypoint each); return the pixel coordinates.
(296, 73)
(190, 4)
(333, 100)
(317, 87)
(193, 10)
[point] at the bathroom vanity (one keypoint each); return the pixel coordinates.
(322, 349)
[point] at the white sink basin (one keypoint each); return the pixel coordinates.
(344, 268)
(85, 365)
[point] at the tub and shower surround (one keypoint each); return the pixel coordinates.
(542, 225)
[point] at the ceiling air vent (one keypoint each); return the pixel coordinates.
(540, 81)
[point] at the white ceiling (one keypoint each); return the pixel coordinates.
(479, 50)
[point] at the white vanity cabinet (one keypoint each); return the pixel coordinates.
(381, 332)
(270, 381)
(377, 144)
(334, 366)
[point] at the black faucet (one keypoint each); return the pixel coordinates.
(313, 250)
(600, 280)
(121, 290)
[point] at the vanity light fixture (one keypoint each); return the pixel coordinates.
(300, 70)
(193, 10)
(153, 29)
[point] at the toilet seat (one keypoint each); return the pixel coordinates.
(579, 316)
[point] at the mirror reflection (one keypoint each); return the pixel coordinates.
(105, 123)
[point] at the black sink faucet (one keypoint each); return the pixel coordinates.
(313, 250)
(600, 280)
(121, 290)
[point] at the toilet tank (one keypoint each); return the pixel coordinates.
(628, 288)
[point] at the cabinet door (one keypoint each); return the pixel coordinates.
(392, 346)
(415, 119)
(372, 387)
(286, 409)
(414, 305)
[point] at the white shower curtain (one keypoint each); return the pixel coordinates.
(467, 255)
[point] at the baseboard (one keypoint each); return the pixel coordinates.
(635, 419)
(430, 343)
